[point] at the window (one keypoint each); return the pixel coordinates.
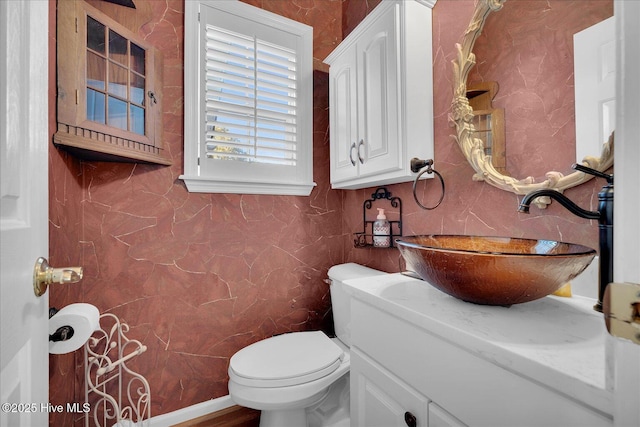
(109, 88)
(115, 83)
(248, 100)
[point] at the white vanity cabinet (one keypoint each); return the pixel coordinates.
(399, 366)
(381, 96)
(379, 398)
(438, 417)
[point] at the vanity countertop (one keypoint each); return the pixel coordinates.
(554, 341)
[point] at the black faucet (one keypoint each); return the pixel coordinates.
(604, 215)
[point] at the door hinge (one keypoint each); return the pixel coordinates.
(77, 97)
(621, 307)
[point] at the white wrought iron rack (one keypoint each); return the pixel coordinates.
(122, 395)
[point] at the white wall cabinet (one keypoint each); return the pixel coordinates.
(381, 96)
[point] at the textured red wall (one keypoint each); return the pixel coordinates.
(198, 276)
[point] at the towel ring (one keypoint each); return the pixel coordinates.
(416, 165)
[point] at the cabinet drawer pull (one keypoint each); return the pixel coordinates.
(410, 419)
(360, 144)
(353, 162)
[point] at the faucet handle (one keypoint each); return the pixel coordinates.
(594, 172)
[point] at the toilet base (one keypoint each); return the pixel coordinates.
(327, 409)
(285, 417)
(334, 410)
(291, 416)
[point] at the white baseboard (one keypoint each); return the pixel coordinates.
(191, 412)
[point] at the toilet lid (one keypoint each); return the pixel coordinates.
(285, 360)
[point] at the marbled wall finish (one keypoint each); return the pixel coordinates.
(198, 276)
(354, 11)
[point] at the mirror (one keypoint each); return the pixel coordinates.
(473, 148)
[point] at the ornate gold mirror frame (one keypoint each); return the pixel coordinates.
(473, 148)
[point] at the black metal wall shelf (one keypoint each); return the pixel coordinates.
(365, 238)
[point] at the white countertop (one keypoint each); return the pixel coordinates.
(554, 341)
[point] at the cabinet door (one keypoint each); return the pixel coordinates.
(379, 399)
(438, 417)
(379, 143)
(344, 132)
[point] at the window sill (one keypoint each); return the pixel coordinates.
(197, 184)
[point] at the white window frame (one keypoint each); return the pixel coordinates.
(229, 176)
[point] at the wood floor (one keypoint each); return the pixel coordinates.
(235, 416)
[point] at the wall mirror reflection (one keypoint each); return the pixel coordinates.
(527, 48)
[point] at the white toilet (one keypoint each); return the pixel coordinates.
(301, 379)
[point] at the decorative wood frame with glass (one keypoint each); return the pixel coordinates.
(462, 117)
(109, 88)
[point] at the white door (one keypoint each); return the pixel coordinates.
(627, 203)
(24, 228)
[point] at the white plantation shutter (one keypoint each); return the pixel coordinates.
(250, 99)
(253, 115)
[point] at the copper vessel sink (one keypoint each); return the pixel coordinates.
(494, 270)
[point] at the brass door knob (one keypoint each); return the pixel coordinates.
(44, 275)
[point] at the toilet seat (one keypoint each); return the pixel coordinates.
(286, 360)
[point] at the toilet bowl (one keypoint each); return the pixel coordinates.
(289, 376)
(281, 381)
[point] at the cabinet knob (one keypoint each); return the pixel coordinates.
(410, 419)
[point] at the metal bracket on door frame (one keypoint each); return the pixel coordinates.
(621, 307)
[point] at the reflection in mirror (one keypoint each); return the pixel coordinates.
(594, 53)
(489, 126)
(488, 122)
(539, 113)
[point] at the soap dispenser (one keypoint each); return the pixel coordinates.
(381, 231)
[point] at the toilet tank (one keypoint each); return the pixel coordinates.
(340, 296)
